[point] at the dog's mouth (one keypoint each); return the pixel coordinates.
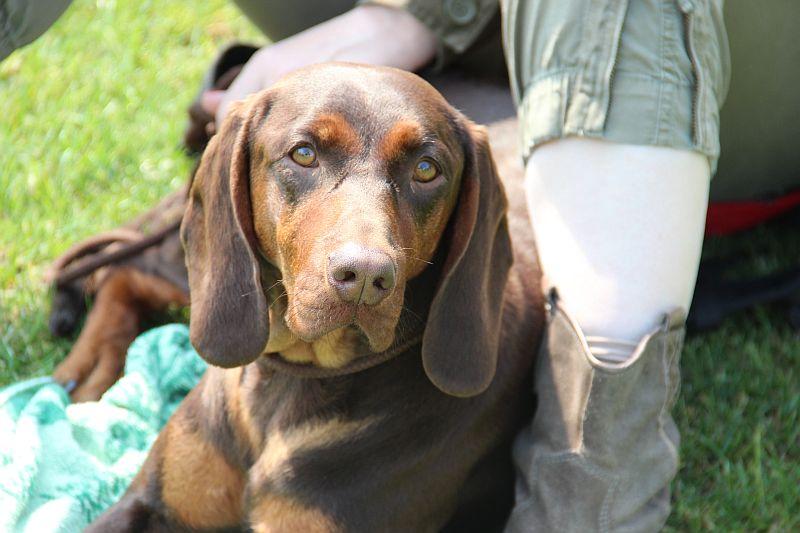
(335, 334)
(311, 324)
(321, 325)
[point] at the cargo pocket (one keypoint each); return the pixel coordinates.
(707, 47)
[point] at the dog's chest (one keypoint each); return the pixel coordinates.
(298, 419)
(342, 447)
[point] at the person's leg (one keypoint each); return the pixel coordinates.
(279, 19)
(618, 105)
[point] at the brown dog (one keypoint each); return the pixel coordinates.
(351, 268)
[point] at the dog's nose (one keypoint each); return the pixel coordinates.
(361, 275)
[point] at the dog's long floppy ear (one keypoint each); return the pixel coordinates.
(460, 344)
(229, 324)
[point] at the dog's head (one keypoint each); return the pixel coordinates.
(316, 203)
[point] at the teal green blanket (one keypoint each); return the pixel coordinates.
(63, 464)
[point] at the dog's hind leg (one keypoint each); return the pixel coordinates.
(97, 359)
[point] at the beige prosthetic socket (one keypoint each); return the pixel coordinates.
(602, 448)
(619, 229)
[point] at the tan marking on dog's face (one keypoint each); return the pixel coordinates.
(198, 486)
(336, 349)
(333, 131)
(403, 135)
(307, 238)
(278, 514)
(299, 352)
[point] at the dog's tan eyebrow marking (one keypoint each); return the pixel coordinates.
(403, 135)
(333, 130)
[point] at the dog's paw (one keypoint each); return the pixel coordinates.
(90, 370)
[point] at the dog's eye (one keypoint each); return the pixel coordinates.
(304, 155)
(426, 170)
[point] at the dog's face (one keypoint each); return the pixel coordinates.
(341, 181)
(354, 174)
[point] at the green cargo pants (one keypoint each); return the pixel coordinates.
(657, 72)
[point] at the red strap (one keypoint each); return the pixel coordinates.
(724, 218)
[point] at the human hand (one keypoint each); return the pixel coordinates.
(369, 34)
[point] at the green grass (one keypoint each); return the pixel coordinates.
(92, 115)
(90, 128)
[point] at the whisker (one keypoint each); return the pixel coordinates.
(278, 298)
(409, 256)
(273, 285)
(415, 315)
